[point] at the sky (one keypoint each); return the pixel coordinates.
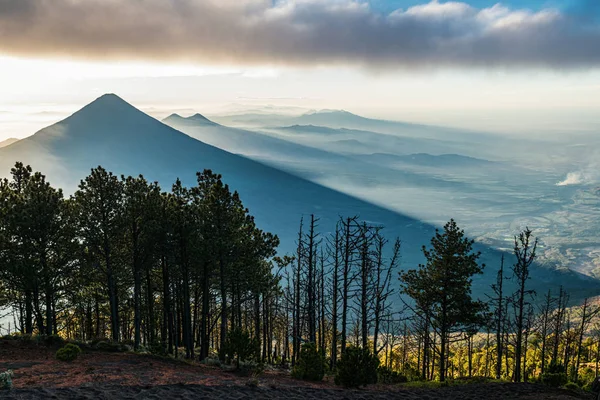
(515, 67)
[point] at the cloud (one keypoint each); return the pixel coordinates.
(300, 32)
(588, 175)
(573, 178)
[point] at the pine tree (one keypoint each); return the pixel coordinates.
(140, 211)
(41, 213)
(99, 203)
(445, 283)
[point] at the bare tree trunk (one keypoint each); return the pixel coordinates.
(364, 283)
(499, 318)
(296, 329)
(525, 254)
(348, 249)
(312, 329)
(334, 305)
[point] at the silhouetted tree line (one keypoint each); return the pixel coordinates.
(123, 258)
(188, 273)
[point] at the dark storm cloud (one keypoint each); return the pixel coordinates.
(300, 32)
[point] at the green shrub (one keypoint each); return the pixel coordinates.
(111, 347)
(250, 368)
(6, 380)
(94, 342)
(241, 347)
(412, 373)
(555, 368)
(157, 348)
(8, 337)
(586, 377)
(557, 379)
(24, 337)
(310, 366)
(68, 353)
(571, 386)
(50, 340)
(555, 375)
(387, 376)
(82, 345)
(357, 367)
(212, 362)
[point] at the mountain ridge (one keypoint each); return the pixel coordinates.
(196, 118)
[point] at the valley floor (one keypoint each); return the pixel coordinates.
(97, 375)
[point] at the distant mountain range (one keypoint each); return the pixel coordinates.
(358, 141)
(329, 118)
(449, 140)
(429, 161)
(341, 119)
(196, 119)
(310, 162)
(112, 133)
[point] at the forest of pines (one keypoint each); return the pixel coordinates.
(187, 273)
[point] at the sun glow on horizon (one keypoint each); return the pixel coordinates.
(38, 92)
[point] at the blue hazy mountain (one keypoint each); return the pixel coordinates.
(196, 119)
(307, 161)
(356, 141)
(241, 141)
(112, 133)
(430, 161)
(417, 138)
(341, 119)
(328, 118)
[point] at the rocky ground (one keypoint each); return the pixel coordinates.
(97, 375)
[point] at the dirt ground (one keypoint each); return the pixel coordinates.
(97, 375)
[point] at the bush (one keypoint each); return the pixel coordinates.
(50, 340)
(212, 362)
(555, 375)
(111, 347)
(94, 342)
(310, 365)
(357, 367)
(157, 348)
(555, 368)
(241, 346)
(250, 368)
(6, 380)
(557, 379)
(24, 337)
(386, 376)
(586, 377)
(68, 353)
(82, 345)
(412, 373)
(571, 386)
